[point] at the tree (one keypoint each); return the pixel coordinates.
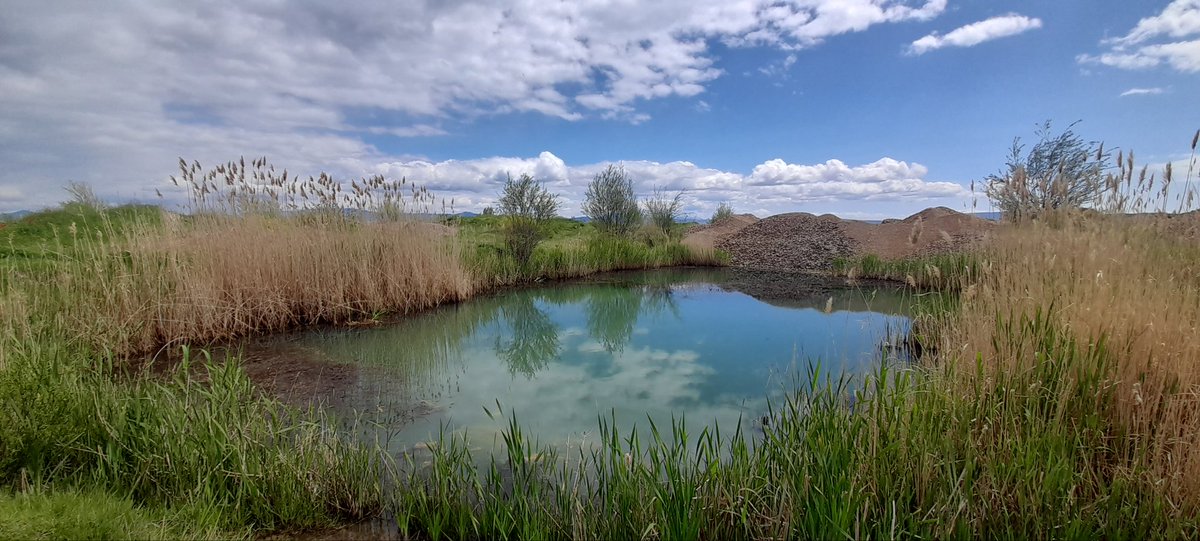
(610, 202)
(724, 212)
(662, 212)
(1059, 172)
(527, 206)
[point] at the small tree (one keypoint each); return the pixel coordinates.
(610, 202)
(83, 197)
(724, 212)
(527, 206)
(662, 212)
(1060, 171)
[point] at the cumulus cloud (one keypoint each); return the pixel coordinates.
(976, 33)
(1142, 92)
(113, 93)
(1157, 40)
(771, 187)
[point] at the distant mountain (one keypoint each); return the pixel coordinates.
(993, 216)
(582, 219)
(14, 216)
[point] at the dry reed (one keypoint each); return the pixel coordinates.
(1124, 285)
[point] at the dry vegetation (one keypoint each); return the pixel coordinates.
(1061, 396)
(1127, 294)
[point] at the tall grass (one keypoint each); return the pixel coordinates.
(85, 286)
(591, 254)
(942, 271)
(202, 449)
(1061, 402)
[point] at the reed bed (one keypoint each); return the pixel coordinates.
(196, 448)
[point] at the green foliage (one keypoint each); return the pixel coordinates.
(53, 233)
(202, 442)
(1025, 455)
(610, 202)
(1060, 171)
(662, 212)
(723, 212)
(526, 206)
(940, 272)
(79, 515)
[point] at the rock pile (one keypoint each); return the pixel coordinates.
(794, 241)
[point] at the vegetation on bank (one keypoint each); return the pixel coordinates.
(195, 449)
(1060, 400)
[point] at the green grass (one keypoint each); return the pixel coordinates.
(70, 514)
(50, 234)
(910, 451)
(202, 445)
(569, 249)
(897, 455)
(941, 272)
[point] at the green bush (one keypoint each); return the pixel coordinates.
(724, 212)
(611, 203)
(662, 212)
(526, 206)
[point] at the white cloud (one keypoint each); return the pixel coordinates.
(1142, 92)
(773, 186)
(114, 93)
(1178, 21)
(976, 33)
(1180, 18)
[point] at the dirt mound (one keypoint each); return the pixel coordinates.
(802, 241)
(932, 231)
(796, 241)
(706, 237)
(932, 213)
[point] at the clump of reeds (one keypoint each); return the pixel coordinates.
(1119, 281)
(258, 252)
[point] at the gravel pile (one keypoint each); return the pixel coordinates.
(795, 241)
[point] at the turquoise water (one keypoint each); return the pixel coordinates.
(631, 345)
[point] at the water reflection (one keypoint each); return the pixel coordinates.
(630, 345)
(532, 340)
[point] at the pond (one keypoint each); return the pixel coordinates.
(710, 345)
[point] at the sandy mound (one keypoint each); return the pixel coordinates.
(795, 241)
(931, 231)
(706, 237)
(801, 241)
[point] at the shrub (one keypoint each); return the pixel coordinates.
(527, 206)
(663, 212)
(610, 202)
(724, 212)
(1059, 172)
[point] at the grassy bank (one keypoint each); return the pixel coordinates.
(196, 450)
(945, 272)
(1061, 399)
(1061, 402)
(571, 249)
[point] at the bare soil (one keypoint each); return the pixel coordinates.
(706, 237)
(804, 242)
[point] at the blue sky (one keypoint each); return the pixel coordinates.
(745, 101)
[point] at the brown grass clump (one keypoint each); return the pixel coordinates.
(213, 278)
(1125, 291)
(261, 251)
